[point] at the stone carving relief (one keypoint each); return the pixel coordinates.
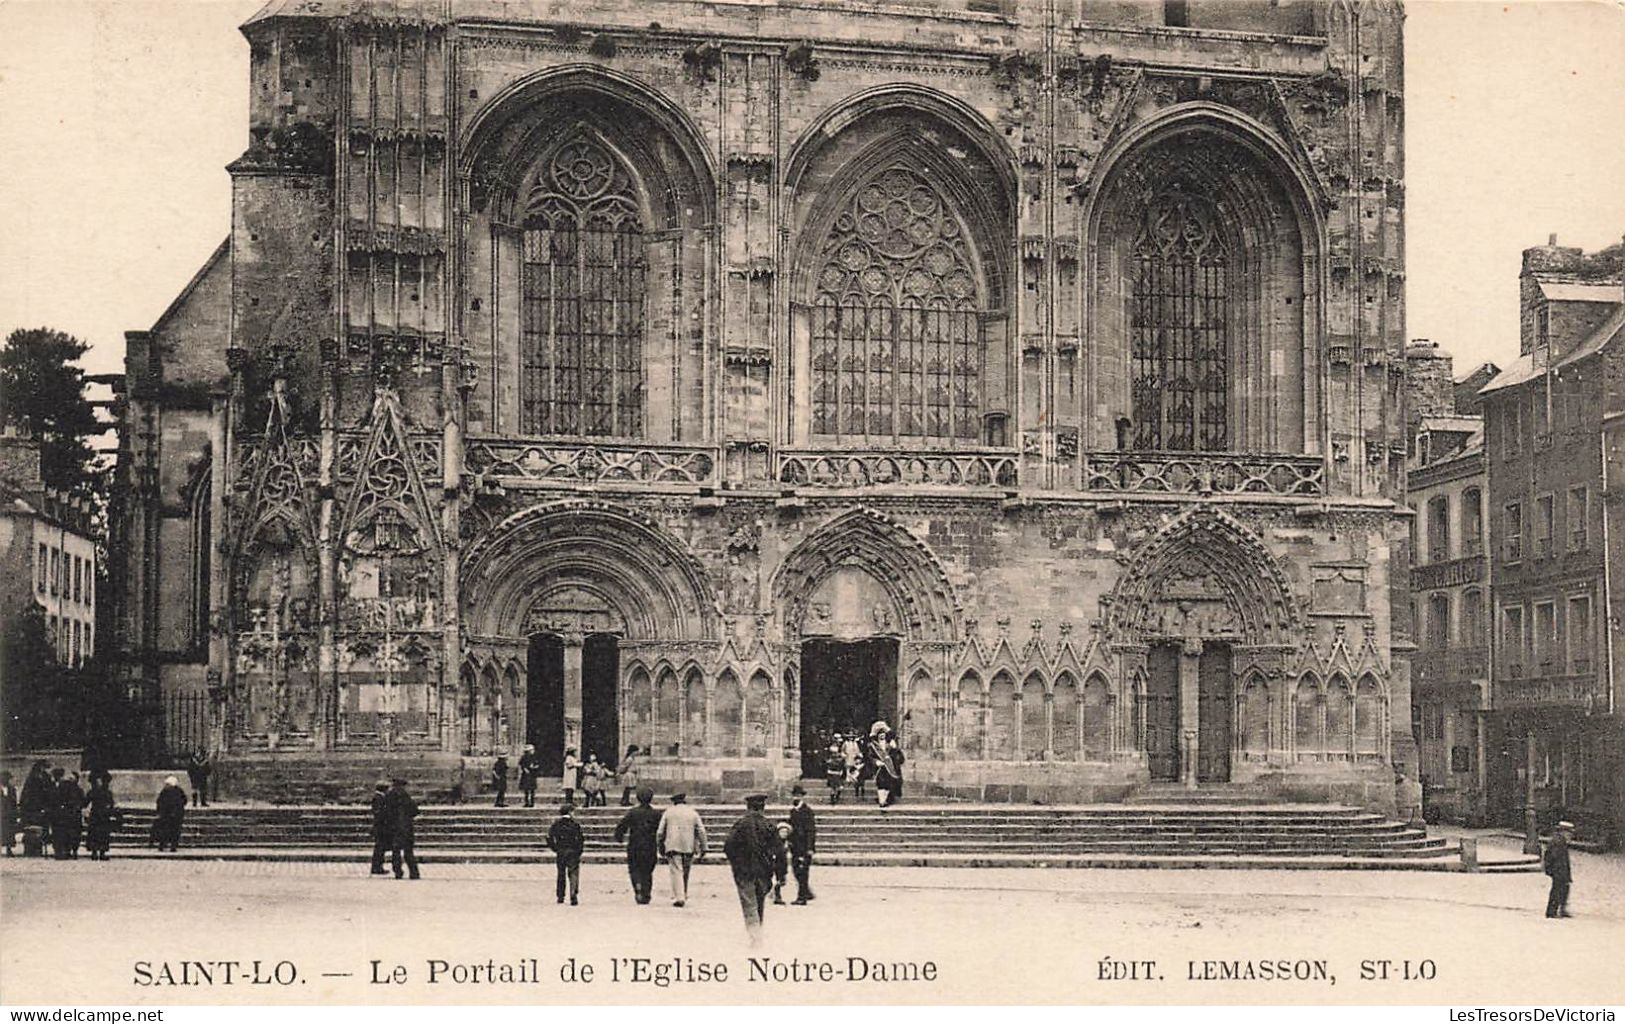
(389, 590)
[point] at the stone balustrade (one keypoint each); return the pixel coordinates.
(900, 468)
(1205, 473)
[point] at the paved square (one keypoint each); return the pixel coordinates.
(97, 933)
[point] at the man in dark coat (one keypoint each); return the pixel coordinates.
(380, 827)
(530, 766)
(640, 829)
(567, 842)
(399, 811)
(499, 779)
(1557, 867)
(33, 806)
(102, 817)
(198, 767)
(8, 812)
(750, 848)
(803, 841)
(68, 815)
(166, 830)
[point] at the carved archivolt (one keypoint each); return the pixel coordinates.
(1205, 576)
(863, 538)
(627, 561)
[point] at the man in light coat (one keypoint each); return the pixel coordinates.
(681, 839)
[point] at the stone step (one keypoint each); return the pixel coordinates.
(612, 860)
(971, 832)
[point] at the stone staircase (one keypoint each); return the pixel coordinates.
(1133, 835)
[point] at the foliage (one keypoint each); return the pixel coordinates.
(31, 681)
(800, 60)
(42, 390)
(702, 61)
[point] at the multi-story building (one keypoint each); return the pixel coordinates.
(47, 553)
(1450, 586)
(712, 376)
(1557, 728)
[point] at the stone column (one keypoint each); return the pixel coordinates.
(1531, 828)
(1190, 666)
(573, 639)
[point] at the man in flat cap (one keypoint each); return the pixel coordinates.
(638, 830)
(1556, 863)
(680, 839)
(751, 855)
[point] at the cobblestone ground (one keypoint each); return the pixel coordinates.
(80, 933)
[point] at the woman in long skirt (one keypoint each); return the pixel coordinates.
(101, 818)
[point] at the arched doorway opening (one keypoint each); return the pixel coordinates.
(546, 709)
(846, 685)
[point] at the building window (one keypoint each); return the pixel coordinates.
(1545, 635)
(78, 579)
(1439, 620)
(897, 347)
(44, 570)
(1579, 634)
(1539, 415)
(73, 657)
(1512, 639)
(1513, 550)
(1544, 517)
(56, 572)
(1181, 352)
(584, 289)
(1432, 721)
(1472, 522)
(1578, 513)
(1512, 428)
(1472, 618)
(1176, 13)
(1438, 529)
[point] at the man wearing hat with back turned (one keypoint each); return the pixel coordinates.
(638, 830)
(681, 839)
(399, 811)
(750, 850)
(1556, 863)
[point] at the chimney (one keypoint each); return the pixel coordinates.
(1551, 240)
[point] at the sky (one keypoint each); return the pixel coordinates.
(117, 119)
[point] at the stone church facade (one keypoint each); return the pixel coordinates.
(714, 376)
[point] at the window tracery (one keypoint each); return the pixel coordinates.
(896, 325)
(1180, 344)
(584, 290)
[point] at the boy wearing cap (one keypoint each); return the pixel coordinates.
(564, 838)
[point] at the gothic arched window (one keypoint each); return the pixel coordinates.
(896, 325)
(1180, 348)
(583, 298)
